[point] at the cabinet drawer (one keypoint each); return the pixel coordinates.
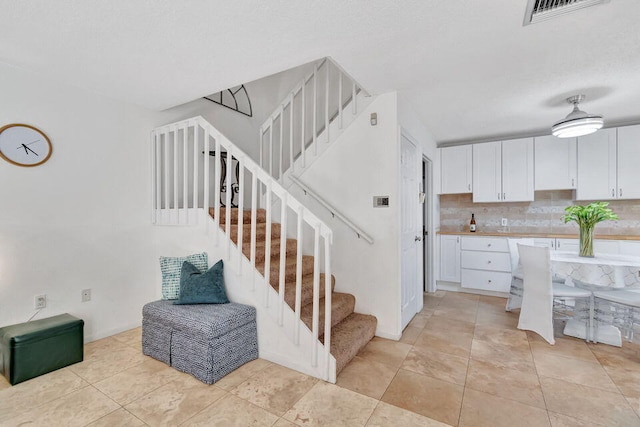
(486, 280)
(491, 244)
(494, 261)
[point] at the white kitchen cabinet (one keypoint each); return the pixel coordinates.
(555, 163)
(600, 246)
(597, 166)
(608, 164)
(629, 247)
(450, 258)
(487, 172)
(628, 162)
(611, 247)
(456, 169)
(566, 245)
(503, 171)
(485, 264)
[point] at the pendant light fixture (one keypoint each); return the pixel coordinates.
(577, 123)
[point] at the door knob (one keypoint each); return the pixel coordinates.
(417, 239)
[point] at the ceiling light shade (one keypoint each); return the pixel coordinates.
(577, 123)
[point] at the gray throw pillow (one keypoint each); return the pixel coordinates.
(171, 268)
(202, 288)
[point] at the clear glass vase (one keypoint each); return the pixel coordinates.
(586, 241)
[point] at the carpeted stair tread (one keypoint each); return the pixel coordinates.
(306, 294)
(342, 305)
(289, 269)
(291, 248)
(350, 336)
(261, 215)
(261, 232)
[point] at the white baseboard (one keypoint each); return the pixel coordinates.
(455, 287)
(388, 336)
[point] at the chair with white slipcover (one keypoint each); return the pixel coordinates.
(540, 293)
(515, 292)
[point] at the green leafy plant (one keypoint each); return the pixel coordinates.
(587, 217)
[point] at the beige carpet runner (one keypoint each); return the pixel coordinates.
(349, 332)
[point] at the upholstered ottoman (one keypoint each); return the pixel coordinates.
(30, 349)
(207, 341)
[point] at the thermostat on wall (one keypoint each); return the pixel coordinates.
(380, 201)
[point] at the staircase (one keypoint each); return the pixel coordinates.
(349, 331)
(278, 248)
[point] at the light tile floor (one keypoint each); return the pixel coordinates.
(460, 362)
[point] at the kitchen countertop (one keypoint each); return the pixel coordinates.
(539, 235)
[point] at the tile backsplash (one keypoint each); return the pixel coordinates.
(543, 215)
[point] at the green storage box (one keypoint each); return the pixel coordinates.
(30, 349)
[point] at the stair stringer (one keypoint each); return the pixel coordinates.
(245, 285)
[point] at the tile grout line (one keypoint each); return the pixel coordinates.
(535, 366)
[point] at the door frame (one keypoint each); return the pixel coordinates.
(429, 284)
(402, 132)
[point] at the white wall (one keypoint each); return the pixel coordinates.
(265, 95)
(362, 163)
(82, 219)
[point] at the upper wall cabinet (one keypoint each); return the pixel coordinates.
(608, 164)
(455, 169)
(555, 163)
(629, 162)
(503, 171)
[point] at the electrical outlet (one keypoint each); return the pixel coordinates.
(86, 295)
(39, 302)
(504, 222)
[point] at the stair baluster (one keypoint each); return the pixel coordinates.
(314, 119)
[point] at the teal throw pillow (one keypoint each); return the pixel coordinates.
(171, 268)
(202, 288)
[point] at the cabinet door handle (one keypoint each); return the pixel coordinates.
(620, 192)
(504, 197)
(488, 262)
(553, 245)
(613, 192)
(573, 182)
(458, 239)
(498, 196)
(489, 281)
(558, 245)
(489, 245)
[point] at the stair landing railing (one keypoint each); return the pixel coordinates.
(304, 115)
(192, 168)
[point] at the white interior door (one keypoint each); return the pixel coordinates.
(411, 235)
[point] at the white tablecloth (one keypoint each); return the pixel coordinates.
(617, 271)
(613, 271)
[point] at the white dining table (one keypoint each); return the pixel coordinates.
(598, 272)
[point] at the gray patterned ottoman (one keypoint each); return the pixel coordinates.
(207, 341)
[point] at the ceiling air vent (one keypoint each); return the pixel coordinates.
(541, 10)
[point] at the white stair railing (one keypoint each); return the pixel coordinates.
(334, 212)
(304, 117)
(185, 155)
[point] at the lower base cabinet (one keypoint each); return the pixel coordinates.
(485, 264)
(486, 280)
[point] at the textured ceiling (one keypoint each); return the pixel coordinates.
(469, 68)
